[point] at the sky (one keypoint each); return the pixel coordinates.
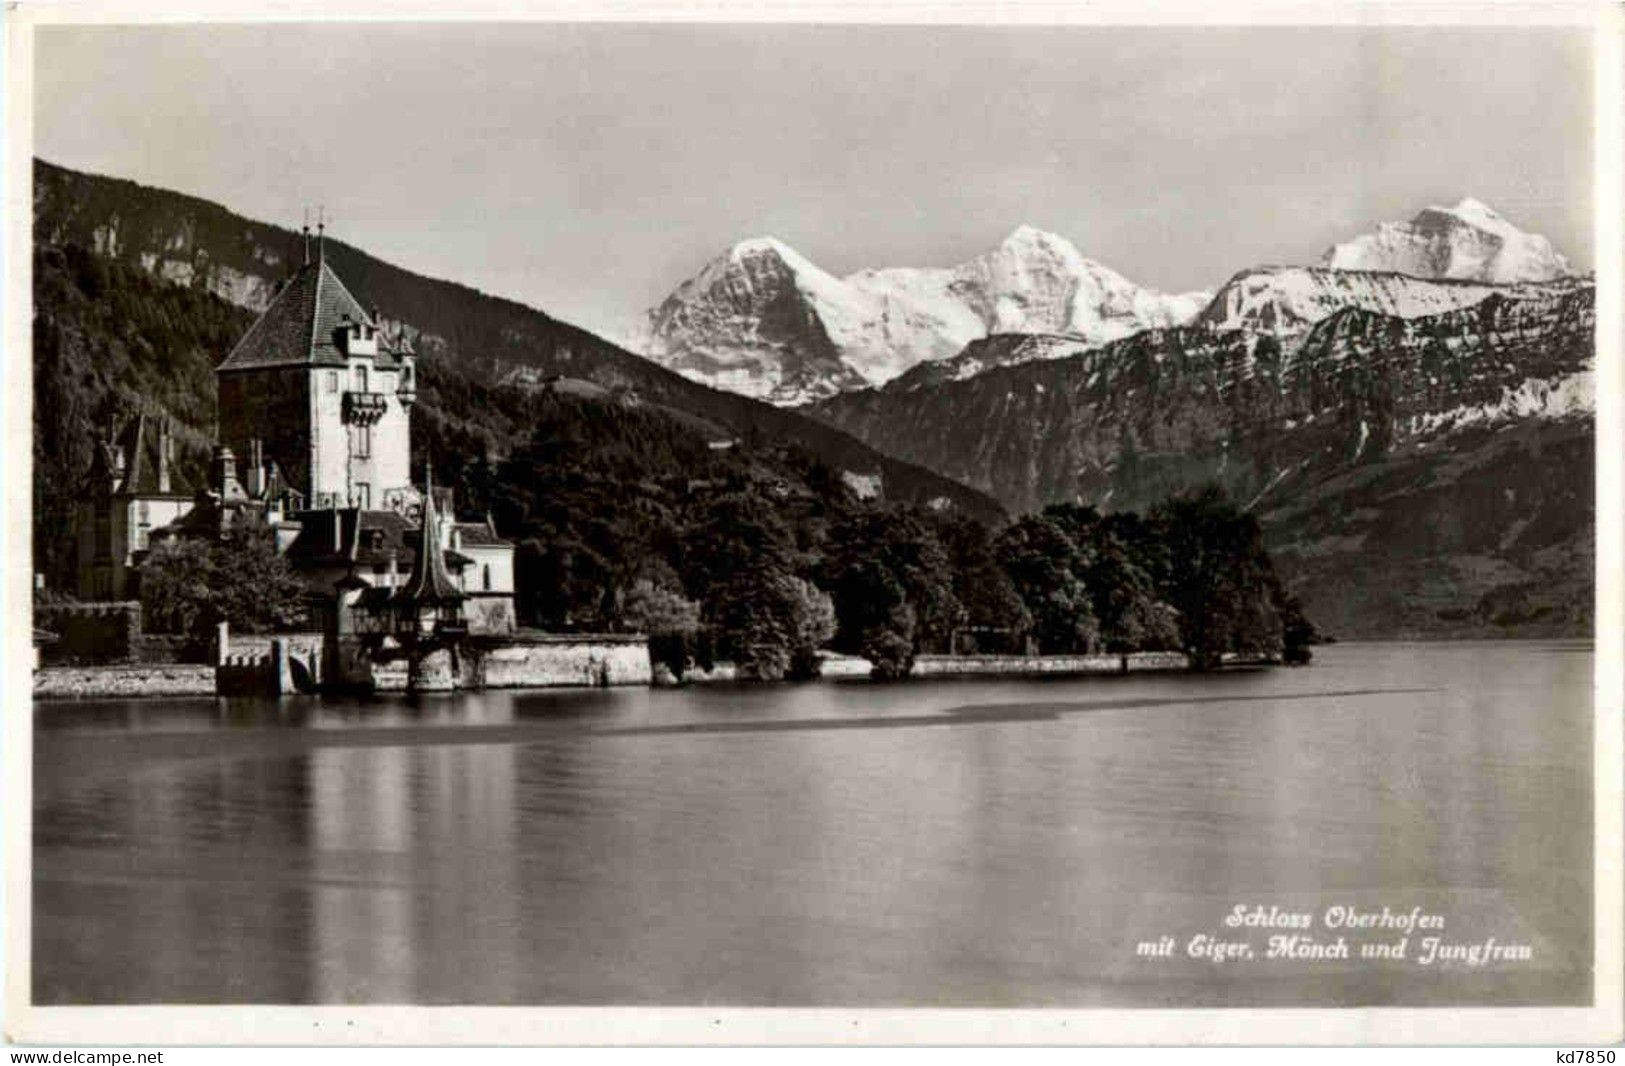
(588, 169)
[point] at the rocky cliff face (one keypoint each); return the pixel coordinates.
(1098, 424)
(176, 238)
(765, 321)
(1362, 398)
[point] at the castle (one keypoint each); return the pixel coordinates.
(315, 404)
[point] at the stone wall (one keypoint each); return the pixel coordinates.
(847, 667)
(66, 682)
(529, 661)
(594, 660)
(1043, 665)
(90, 632)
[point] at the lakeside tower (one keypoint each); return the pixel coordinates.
(328, 398)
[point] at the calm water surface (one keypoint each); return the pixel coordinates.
(990, 843)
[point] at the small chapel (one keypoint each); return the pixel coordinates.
(315, 406)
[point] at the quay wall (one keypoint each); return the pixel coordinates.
(533, 661)
(599, 661)
(118, 682)
(530, 661)
(1045, 665)
(846, 667)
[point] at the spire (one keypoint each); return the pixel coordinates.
(304, 233)
(321, 234)
(429, 583)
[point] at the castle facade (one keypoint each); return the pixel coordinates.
(314, 439)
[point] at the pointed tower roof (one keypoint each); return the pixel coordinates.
(301, 326)
(429, 583)
(144, 460)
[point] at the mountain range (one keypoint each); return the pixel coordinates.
(763, 320)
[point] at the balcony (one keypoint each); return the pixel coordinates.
(364, 408)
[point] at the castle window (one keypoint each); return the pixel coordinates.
(363, 441)
(332, 381)
(363, 495)
(486, 576)
(359, 374)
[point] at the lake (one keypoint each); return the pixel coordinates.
(972, 843)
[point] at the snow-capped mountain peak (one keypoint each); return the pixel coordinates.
(1470, 209)
(1025, 238)
(764, 320)
(768, 246)
(1467, 242)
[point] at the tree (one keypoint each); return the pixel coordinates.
(980, 584)
(1125, 601)
(671, 622)
(175, 582)
(1044, 565)
(564, 584)
(256, 590)
(890, 577)
(1297, 632)
(189, 585)
(1219, 578)
(813, 624)
(771, 624)
(740, 533)
(891, 656)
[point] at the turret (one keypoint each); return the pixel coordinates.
(225, 475)
(429, 600)
(254, 476)
(406, 390)
(165, 447)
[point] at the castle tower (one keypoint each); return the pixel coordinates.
(315, 388)
(134, 490)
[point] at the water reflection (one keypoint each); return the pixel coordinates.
(412, 845)
(958, 843)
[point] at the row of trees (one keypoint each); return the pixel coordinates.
(889, 584)
(760, 555)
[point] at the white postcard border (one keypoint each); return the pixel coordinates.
(181, 1025)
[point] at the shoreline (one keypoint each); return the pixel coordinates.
(61, 684)
(159, 680)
